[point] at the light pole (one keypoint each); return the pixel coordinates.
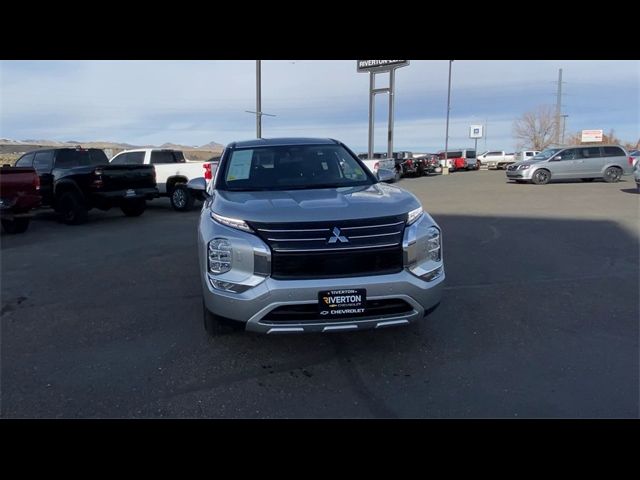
(445, 167)
(258, 111)
(564, 122)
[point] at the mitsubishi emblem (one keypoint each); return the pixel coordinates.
(337, 237)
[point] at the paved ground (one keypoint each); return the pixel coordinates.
(539, 319)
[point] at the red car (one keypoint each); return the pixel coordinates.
(19, 194)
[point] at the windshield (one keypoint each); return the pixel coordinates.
(291, 167)
(546, 154)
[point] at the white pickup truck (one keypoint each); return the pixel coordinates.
(172, 172)
(496, 160)
(374, 164)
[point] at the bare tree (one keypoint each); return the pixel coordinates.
(536, 129)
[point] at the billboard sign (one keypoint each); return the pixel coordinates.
(475, 131)
(591, 135)
(380, 65)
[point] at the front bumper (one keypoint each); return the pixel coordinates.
(519, 174)
(266, 294)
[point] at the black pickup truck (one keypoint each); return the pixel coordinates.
(75, 180)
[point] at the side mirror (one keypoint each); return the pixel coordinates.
(557, 157)
(198, 185)
(385, 175)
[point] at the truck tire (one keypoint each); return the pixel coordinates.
(133, 208)
(181, 198)
(17, 225)
(216, 325)
(71, 208)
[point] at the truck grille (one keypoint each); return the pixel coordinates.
(344, 248)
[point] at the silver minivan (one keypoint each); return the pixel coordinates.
(608, 162)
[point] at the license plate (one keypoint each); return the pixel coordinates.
(130, 193)
(342, 303)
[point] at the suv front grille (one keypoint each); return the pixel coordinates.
(344, 248)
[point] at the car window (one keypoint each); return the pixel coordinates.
(25, 161)
(529, 154)
(613, 152)
(471, 154)
(569, 154)
(493, 153)
(43, 162)
(120, 159)
(68, 158)
(588, 152)
(162, 156)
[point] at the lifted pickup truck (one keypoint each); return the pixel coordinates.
(172, 172)
(75, 180)
(19, 193)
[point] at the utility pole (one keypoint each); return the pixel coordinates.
(445, 168)
(558, 107)
(259, 98)
(258, 113)
(564, 123)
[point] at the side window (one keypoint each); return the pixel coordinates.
(529, 154)
(135, 158)
(162, 156)
(43, 162)
(569, 154)
(25, 160)
(588, 152)
(179, 156)
(613, 152)
(120, 159)
(67, 158)
(493, 154)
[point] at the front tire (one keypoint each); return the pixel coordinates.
(181, 198)
(612, 175)
(72, 209)
(541, 177)
(133, 208)
(17, 225)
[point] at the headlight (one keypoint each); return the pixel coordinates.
(433, 246)
(523, 167)
(414, 215)
(220, 255)
(231, 222)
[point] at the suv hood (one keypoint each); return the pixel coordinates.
(346, 203)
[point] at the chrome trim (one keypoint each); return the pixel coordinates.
(373, 226)
(392, 322)
(301, 230)
(334, 328)
(296, 239)
(375, 235)
(285, 330)
(368, 247)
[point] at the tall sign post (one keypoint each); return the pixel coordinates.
(374, 67)
(475, 132)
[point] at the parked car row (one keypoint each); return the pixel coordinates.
(73, 181)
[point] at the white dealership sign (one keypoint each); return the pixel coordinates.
(380, 65)
(475, 131)
(591, 135)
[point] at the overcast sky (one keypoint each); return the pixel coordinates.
(195, 102)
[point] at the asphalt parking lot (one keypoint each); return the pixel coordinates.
(540, 318)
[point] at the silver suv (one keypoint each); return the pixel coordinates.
(608, 162)
(297, 235)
